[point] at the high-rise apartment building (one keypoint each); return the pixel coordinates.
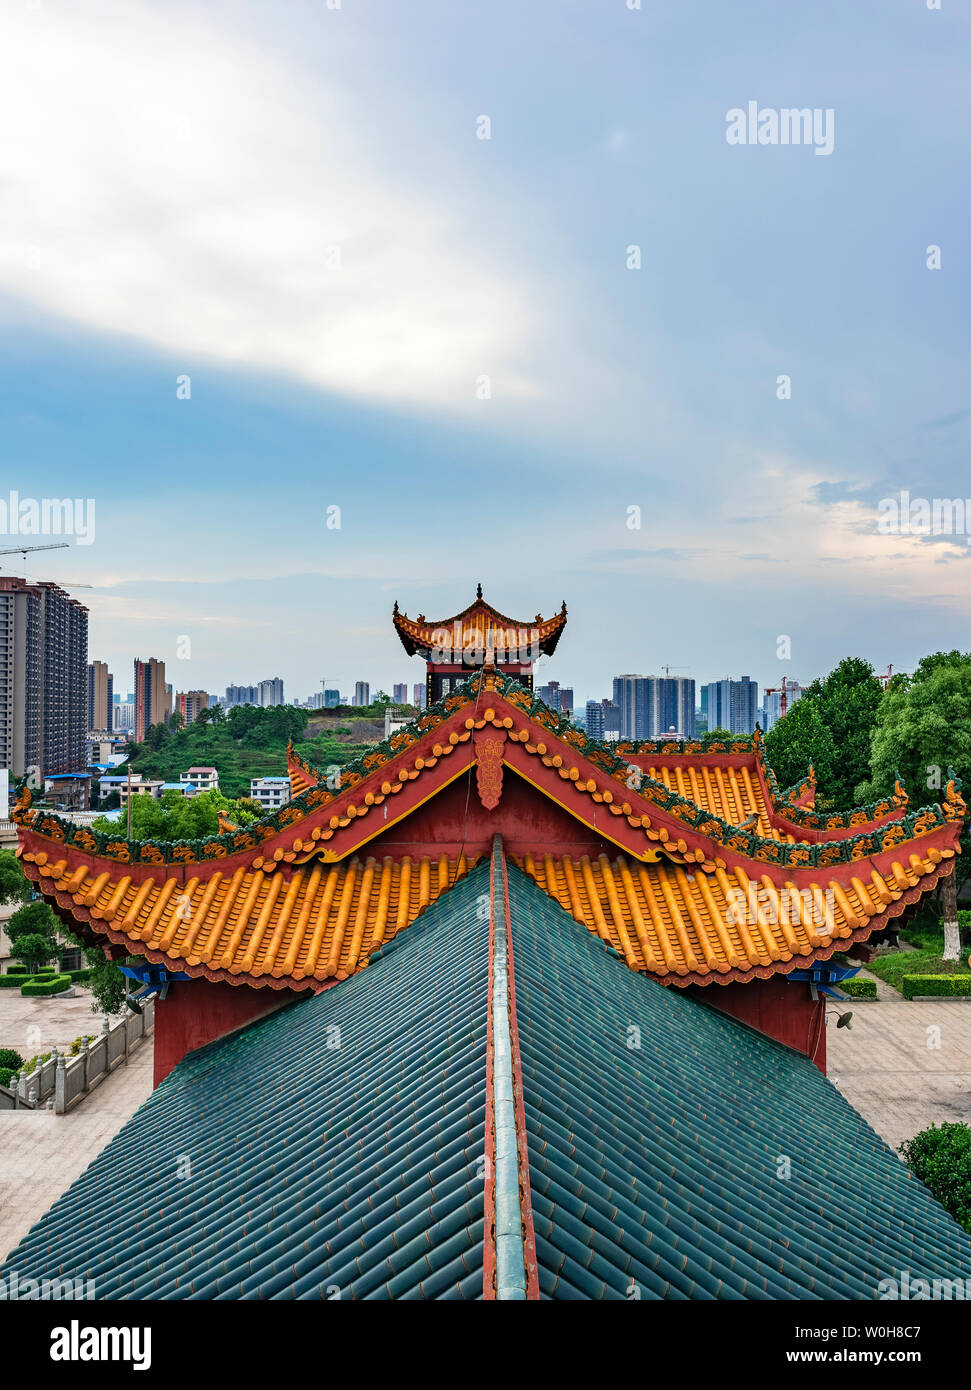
(188, 703)
(43, 678)
(732, 704)
(362, 693)
(674, 707)
(271, 692)
(101, 696)
(634, 697)
(420, 694)
(153, 700)
(603, 719)
(401, 693)
(124, 717)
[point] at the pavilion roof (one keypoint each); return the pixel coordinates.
(708, 874)
(477, 628)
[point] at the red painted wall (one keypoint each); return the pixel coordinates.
(196, 1012)
(786, 1012)
(528, 821)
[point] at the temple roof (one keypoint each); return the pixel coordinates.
(700, 870)
(479, 628)
(356, 1169)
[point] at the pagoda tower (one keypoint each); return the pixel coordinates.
(454, 648)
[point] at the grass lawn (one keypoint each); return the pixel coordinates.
(926, 960)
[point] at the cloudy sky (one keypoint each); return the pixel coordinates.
(441, 335)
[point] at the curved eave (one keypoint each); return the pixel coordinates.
(419, 637)
(876, 923)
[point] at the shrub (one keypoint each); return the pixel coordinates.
(12, 981)
(944, 986)
(859, 989)
(10, 1058)
(941, 1158)
(40, 989)
(5, 1076)
(79, 976)
(17, 970)
(78, 1043)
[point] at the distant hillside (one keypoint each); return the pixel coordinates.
(249, 742)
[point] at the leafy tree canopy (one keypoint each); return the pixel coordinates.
(34, 949)
(798, 740)
(33, 919)
(923, 727)
(176, 817)
(14, 888)
(847, 701)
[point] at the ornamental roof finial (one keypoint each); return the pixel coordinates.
(478, 590)
(396, 605)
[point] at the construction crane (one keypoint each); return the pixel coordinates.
(25, 550)
(783, 692)
(886, 679)
(668, 669)
(323, 687)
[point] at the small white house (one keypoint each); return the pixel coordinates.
(270, 792)
(204, 779)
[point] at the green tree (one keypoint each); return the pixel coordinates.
(34, 918)
(106, 983)
(798, 740)
(34, 950)
(14, 888)
(847, 701)
(157, 736)
(923, 728)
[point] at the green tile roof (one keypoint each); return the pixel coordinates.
(677, 1153)
(335, 1148)
(318, 1161)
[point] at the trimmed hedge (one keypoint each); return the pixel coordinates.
(944, 986)
(5, 1076)
(859, 989)
(40, 989)
(15, 979)
(10, 1059)
(17, 970)
(79, 976)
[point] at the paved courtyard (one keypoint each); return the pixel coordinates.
(41, 1153)
(903, 1065)
(36, 1025)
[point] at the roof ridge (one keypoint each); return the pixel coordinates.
(509, 1258)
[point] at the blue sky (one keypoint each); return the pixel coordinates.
(289, 204)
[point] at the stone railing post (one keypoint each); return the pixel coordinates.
(15, 1087)
(60, 1087)
(85, 1054)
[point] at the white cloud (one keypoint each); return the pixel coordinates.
(164, 177)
